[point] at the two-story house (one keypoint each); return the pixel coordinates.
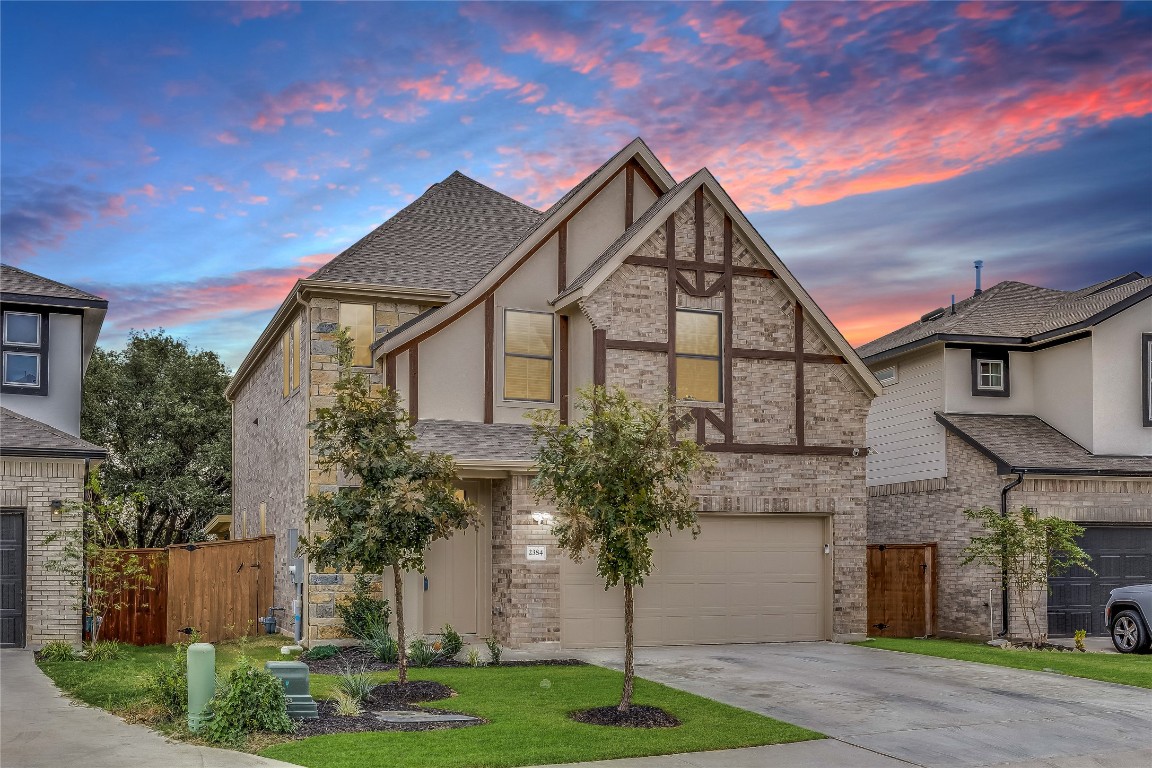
(477, 308)
(1018, 396)
(49, 333)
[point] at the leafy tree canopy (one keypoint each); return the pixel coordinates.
(159, 409)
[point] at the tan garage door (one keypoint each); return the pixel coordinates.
(746, 579)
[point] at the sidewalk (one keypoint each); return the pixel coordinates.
(40, 728)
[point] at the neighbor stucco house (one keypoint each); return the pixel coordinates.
(477, 308)
(1040, 397)
(49, 334)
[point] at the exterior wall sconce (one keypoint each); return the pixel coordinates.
(57, 507)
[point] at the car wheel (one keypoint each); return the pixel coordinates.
(1129, 634)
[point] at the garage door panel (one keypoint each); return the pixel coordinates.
(1121, 556)
(745, 579)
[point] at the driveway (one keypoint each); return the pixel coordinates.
(922, 710)
(40, 728)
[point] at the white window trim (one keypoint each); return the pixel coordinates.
(979, 375)
(9, 342)
(21, 383)
(503, 401)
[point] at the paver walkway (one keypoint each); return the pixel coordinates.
(40, 728)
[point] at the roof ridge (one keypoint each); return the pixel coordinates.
(465, 176)
(49, 280)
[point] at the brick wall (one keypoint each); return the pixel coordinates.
(53, 610)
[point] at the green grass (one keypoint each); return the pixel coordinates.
(1107, 667)
(527, 709)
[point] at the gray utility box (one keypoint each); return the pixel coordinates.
(294, 675)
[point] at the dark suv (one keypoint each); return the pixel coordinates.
(1126, 615)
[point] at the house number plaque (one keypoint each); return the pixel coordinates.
(537, 552)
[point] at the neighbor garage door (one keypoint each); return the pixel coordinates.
(1121, 555)
(746, 579)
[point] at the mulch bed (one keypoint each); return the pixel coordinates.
(637, 716)
(389, 696)
(358, 658)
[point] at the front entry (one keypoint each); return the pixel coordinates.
(452, 576)
(12, 602)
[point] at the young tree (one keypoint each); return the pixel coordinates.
(159, 409)
(88, 553)
(1028, 549)
(616, 478)
(405, 498)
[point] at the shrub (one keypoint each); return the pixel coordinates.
(422, 654)
(249, 700)
(473, 657)
(57, 650)
(346, 706)
(450, 642)
(1079, 638)
(356, 685)
(379, 641)
(319, 652)
(494, 651)
(363, 612)
(166, 686)
(104, 650)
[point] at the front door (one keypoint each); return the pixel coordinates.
(12, 610)
(452, 579)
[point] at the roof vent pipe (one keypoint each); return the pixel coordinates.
(979, 265)
(953, 303)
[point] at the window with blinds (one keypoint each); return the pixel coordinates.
(358, 318)
(698, 343)
(528, 355)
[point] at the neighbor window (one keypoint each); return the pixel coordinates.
(698, 340)
(359, 318)
(886, 376)
(990, 374)
(528, 345)
(1146, 384)
(290, 347)
(25, 347)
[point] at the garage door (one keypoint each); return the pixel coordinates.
(1121, 555)
(746, 579)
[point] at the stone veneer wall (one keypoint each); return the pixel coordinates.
(933, 512)
(52, 607)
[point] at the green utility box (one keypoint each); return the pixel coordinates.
(294, 675)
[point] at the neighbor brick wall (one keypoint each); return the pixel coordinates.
(53, 610)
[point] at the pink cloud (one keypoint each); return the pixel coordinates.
(227, 137)
(431, 88)
(240, 12)
(317, 97)
(558, 47)
(475, 75)
(981, 11)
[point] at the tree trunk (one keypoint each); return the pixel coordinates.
(629, 655)
(402, 650)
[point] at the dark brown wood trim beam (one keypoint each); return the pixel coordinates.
(489, 357)
(727, 281)
(776, 354)
(651, 261)
(719, 423)
(640, 346)
(764, 272)
(648, 180)
(786, 450)
(629, 194)
(799, 344)
(670, 265)
(562, 353)
(414, 384)
(390, 371)
(698, 199)
(599, 357)
(701, 425)
(562, 258)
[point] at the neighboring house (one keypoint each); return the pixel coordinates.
(1041, 395)
(477, 308)
(49, 333)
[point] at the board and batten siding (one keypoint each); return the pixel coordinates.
(906, 441)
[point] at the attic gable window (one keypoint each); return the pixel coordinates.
(359, 319)
(528, 355)
(990, 373)
(698, 344)
(886, 376)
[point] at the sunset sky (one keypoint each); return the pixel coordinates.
(190, 161)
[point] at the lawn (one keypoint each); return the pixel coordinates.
(527, 709)
(1107, 667)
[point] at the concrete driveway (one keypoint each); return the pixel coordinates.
(922, 710)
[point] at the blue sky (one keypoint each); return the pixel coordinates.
(191, 160)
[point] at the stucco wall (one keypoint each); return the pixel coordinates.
(958, 385)
(1062, 379)
(1116, 381)
(60, 408)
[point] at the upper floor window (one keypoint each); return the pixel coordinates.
(990, 374)
(886, 376)
(528, 355)
(290, 349)
(360, 319)
(1146, 384)
(25, 353)
(698, 344)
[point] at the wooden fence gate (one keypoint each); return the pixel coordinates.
(219, 589)
(901, 590)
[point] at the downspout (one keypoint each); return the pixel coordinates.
(1004, 556)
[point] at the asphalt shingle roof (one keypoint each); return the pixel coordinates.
(446, 239)
(1013, 310)
(1029, 443)
(471, 441)
(19, 281)
(23, 436)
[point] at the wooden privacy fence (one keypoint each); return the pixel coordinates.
(219, 589)
(901, 590)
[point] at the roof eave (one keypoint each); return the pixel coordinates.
(54, 453)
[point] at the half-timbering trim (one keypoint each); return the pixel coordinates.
(708, 266)
(562, 257)
(414, 384)
(646, 178)
(629, 197)
(599, 357)
(390, 371)
(638, 346)
(786, 450)
(799, 345)
(562, 353)
(729, 423)
(669, 264)
(776, 354)
(489, 357)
